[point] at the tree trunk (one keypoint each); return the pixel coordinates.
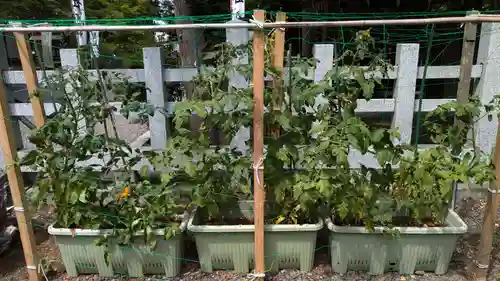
(191, 42)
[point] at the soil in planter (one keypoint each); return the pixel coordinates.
(161, 222)
(229, 221)
(398, 221)
(247, 221)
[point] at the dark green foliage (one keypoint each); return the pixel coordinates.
(104, 194)
(306, 167)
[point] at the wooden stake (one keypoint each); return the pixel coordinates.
(16, 184)
(468, 46)
(463, 92)
(482, 261)
(29, 71)
(277, 62)
(258, 144)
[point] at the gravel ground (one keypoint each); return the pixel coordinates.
(12, 262)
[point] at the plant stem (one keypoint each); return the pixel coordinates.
(104, 95)
(289, 90)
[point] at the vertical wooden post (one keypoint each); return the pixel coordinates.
(46, 40)
(237, 37)
(277, 61)
(153, 68)
(4, 66)
(16, 184)
(481, 263)
(258, 144)
(404, 89)
(469, 44)
(463, 91)
(324, 55)
(29, 71)
(487, 88)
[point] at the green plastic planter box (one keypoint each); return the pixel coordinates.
(81, 256)
(231, 247)
(416, 248)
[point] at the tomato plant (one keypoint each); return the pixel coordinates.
(307, 170)
(215, 176)
(89, 176)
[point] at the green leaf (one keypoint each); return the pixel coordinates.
(108, 199)
(74, 197)
(317, 127)
(83, 196)
(135, 223)
(100, 241)
(168, 233)
(166, 178)
(343, 210)
(384, 156)
(153, 244)
(368, 89)
(199, 110)
(77, 217)
(377, 135)
(35, 194)
(144, 172)
(354, 142)
(107, 258)
(419, 173)
(284, 122)
(30, 158)
(149, 234)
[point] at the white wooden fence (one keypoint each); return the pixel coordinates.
(403, 104)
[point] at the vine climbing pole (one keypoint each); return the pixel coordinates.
(258, 144)
(8, 144)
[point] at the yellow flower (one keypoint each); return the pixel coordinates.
(124, 194)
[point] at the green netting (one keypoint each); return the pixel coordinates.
(445, 37)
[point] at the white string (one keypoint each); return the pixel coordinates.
(43, 272)
(256, 275)
(257, 167)
(481, 266)
(494, 191)
(258, 23)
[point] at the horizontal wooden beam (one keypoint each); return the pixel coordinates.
(371, 106)
(39, 37)
(26, 109)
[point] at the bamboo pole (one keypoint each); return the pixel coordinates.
(352, 23)
(29, 71)
(277, 62)
(16, 184)
(466, 62)
(258, 145)
(481, 263)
